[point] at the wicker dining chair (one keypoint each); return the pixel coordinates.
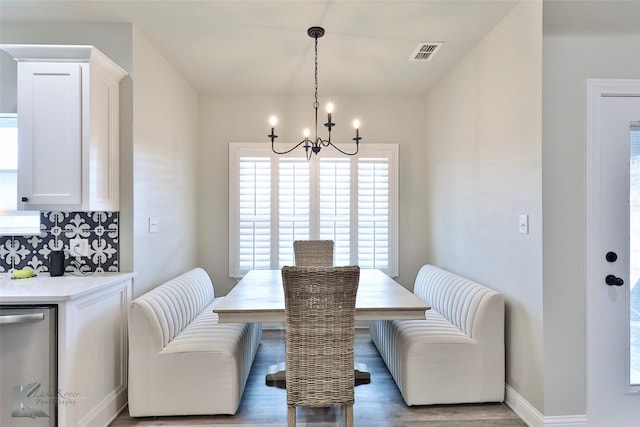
(319, 331)
(313, 253)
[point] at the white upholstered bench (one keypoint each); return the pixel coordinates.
(456, 355)
(181, 360)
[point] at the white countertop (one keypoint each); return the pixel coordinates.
(46, 289)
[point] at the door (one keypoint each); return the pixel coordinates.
(613, 258)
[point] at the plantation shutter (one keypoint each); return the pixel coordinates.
(254, 211)
(373, 213)
(293, 206)
(335, 207)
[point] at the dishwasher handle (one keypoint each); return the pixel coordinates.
(21, 318)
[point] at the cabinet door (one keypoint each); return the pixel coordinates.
(49, 133)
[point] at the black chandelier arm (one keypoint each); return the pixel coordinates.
(308, 141)
(328, 143)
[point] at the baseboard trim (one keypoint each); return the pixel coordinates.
(533, 418)
(566, 421)
(521, 406)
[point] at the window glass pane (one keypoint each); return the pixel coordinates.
(8, 162)
(8, 190)
(19, 223)
(293, 202)
(335, 206)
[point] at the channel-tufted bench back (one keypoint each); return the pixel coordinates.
(456, 298)
(174, 304)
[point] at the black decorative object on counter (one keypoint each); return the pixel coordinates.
(56, 263)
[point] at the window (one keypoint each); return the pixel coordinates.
(274, 200)
(8, 162)
(12, 221)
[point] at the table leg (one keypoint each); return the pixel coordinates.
(276, 375)
(361, 373)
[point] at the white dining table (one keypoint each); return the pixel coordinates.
(259, 297)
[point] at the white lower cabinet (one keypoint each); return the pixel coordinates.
(92, 356)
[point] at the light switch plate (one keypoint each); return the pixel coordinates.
(523, 224)
(153, 225)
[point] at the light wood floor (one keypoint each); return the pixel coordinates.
(377, 404)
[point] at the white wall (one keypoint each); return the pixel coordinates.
(568, 61)
(165, 159)
(8, 79)
(385, 119)
(484, 170)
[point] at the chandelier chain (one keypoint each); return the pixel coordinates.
(316, 104)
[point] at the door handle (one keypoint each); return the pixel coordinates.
(21, 318)
(612, 280)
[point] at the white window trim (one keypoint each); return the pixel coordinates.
(239, 150)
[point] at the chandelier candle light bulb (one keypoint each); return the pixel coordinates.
(317, 143)
(274, 121)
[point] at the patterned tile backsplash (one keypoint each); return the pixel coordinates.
(57, 229)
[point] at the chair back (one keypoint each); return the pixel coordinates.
(313, 253)
(319, 332)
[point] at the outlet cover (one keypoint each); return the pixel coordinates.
(79, 247)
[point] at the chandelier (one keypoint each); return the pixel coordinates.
(313, 146)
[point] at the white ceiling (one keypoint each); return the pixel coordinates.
(262, 46)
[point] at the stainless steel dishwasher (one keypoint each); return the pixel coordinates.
(28, 375)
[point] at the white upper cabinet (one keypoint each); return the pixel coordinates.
(68, 128)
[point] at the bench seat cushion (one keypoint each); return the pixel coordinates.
(205, 334)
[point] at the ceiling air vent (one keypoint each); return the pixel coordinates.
(425, 51)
